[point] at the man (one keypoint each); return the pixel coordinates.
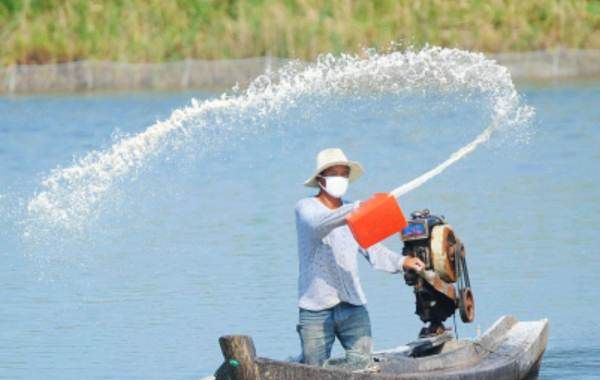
(331, 299)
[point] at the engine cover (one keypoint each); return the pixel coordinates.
(443, 248)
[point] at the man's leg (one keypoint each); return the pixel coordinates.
(316, 335)
(353, 329)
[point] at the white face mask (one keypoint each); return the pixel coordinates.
(336, 186)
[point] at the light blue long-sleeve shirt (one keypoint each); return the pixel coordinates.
(327, 253)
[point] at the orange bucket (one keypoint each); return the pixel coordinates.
(376, 219)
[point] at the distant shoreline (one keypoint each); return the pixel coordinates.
(218, 75)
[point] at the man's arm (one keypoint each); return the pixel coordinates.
(382, 258)
(322, 222)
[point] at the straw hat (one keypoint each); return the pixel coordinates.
(332, 157)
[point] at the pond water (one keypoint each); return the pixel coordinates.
(198, 241)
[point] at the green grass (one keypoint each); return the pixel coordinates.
(36, 31)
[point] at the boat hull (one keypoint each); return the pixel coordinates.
(509, 350)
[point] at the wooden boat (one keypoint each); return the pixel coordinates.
(509, 350)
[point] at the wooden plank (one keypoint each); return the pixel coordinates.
(239, 354)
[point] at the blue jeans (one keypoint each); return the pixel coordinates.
(351, 325)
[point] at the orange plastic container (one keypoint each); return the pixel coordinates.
(376, 219)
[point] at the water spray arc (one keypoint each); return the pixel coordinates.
(70, 196)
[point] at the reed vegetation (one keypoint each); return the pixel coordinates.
(40, 31)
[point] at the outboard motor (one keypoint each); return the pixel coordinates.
(443, 286)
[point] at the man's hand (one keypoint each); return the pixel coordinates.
(413, 263)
